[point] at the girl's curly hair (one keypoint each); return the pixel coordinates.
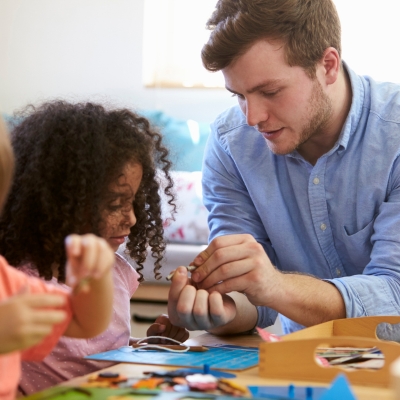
(67, 155)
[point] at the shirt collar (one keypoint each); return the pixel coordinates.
(353, 116)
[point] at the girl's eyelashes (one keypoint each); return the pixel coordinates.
(119, 202)
(122, 206)
(114, 207)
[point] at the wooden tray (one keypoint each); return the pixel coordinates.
(294, 356)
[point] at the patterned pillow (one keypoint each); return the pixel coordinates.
(190, 225)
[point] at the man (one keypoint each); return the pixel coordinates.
(302, 179)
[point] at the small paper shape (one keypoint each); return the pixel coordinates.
(267, 336)
(339, 389)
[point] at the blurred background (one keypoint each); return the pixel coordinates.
(145, 55)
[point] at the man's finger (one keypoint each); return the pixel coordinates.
(180, 312)
(218, 309)
(201, 258)
(200, 310)
(178, 282)
(227, 255)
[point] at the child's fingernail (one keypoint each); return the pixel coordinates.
(72, 245)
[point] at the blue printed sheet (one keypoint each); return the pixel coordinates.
(222, 357)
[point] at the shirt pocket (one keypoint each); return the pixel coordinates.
(358, 245)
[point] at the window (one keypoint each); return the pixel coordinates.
(369, 37)
(174, 33)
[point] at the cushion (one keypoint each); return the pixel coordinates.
(185, 139)
(190, 225)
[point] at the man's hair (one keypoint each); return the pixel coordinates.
(67, 155)
(6, 163)
(306, 28)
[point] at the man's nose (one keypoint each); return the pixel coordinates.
(256, 112)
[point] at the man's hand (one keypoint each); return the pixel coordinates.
(26, 319)
(197, 309)
(237, 263)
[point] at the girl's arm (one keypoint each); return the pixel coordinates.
(89, 273)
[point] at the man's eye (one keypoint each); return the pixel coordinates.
(269, 94)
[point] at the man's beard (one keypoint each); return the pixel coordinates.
(321, 107)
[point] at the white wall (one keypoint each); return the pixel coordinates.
(370, 36)
(86, 49)
(92, 49)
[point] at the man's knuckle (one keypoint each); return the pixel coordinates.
(219, 255)
(217, 242)
(224, 269)
(182, 310)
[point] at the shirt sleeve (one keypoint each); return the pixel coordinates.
(377, 290)
(231, 209)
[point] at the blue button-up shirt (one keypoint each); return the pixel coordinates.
(338, 220)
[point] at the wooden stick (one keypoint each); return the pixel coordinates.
(190, 268)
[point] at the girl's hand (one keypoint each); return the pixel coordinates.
(88, 258)
(163, 327)
(26, 319)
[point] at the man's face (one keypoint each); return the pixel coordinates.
(285, 105)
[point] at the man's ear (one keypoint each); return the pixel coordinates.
(329, 66)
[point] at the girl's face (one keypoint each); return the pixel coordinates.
(118, 216)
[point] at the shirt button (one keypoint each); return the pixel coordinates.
(316, 181)
(338, 272)
(323, 227)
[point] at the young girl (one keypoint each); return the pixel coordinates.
(81, 168)
(34, 314)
